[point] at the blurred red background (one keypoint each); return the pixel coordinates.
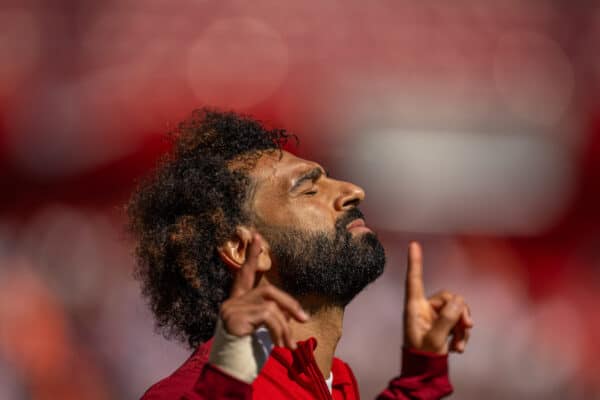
(473, 126)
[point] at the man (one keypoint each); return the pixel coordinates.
(251, 254)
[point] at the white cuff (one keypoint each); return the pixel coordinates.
(234, 355)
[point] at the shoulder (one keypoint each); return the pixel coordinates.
(183, 378)
(340, 366)
(342, 373)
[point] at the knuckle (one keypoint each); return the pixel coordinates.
(274, 325)
(445, 315)
(268, 290)
(225, 312)
(271, 307)
(449, 313)
(266, 314)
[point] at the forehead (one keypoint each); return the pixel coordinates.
(278, 168)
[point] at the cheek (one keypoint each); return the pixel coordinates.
(279, 209)
(311, 216)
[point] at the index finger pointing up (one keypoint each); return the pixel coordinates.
(245, 277)
(414, 273)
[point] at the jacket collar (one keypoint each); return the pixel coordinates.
(299, 361)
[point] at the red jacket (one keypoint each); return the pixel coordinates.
(295, 375)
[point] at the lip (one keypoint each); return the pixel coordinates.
(358, 225)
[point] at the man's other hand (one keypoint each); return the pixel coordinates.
(437, 324)
(250, 306)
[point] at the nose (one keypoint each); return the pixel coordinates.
(350, 196)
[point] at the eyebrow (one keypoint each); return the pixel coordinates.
(310, 175)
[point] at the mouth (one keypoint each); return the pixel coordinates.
(358, 225)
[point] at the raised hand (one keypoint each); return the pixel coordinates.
(437, 324)
(251, 305)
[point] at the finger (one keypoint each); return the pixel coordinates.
(439, 299)
(414, 273)
(462, 331)
(458, 337)
(275, 331)
(460, 340)
(466, 339)
(276, 323)
(457, 347)
(243, 319)
(251, 316)
(286, 302)
(290, 336)
(447, 319)
(287, 336)
(246, 275)
(463, 344)
(277, 314)
(466, 319)
(269, 314)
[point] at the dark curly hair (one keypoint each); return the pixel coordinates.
(190, 204)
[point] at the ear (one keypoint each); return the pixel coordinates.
(234, 251)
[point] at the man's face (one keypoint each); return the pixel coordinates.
(319, 242)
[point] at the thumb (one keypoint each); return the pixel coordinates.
(448, 317)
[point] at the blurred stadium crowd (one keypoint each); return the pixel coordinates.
(474, 126)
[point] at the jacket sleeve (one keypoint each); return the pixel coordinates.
(211, 384)
(424, 376)
(214, 384)
(226, 373)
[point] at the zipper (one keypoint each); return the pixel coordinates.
(322, 391)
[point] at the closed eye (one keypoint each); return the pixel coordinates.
(310, 193)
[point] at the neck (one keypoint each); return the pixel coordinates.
(325, 325)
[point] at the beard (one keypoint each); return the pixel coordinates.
(333, 266)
